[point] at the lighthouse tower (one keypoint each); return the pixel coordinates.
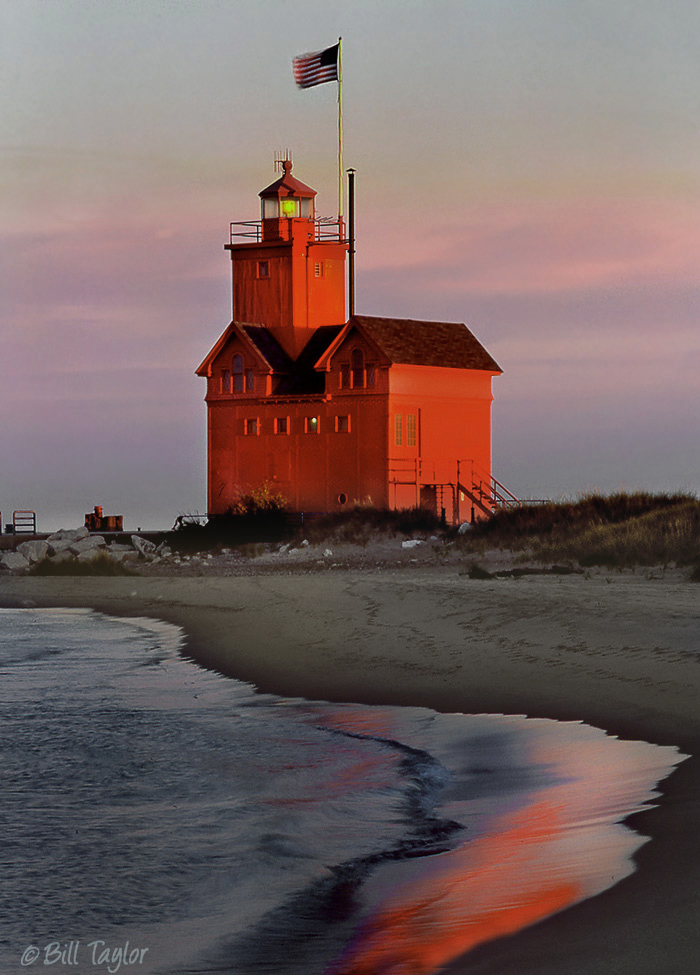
(291, 277)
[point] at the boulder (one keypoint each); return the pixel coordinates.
(132, 556)
(89, 555)
(121, 554)
(33, 551)
(87, 544)
(14, 561)
(68, 535)
(143, 546)
(411, 542)
(58, 545)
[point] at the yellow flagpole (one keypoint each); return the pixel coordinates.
(340, 129)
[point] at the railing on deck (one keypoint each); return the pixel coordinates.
(325, 229)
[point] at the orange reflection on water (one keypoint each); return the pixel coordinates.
(480, 891)
(563, 844)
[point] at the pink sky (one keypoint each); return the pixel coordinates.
(531, 172)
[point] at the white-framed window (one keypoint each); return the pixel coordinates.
(282, 424)
(312, 424)
(251, 426)
(318, 269)
(398, 430)
(411, 430)
(342, 424)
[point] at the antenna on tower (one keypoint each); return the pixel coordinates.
(281, 157)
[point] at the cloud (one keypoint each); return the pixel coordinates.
(540, 247)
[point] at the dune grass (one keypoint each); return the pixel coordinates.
(617, 530)
(361, 524)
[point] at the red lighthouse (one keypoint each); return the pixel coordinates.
(394, 412)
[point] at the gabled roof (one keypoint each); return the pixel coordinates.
(411, 342)
(269, 348)
(398, 340)
(303, 377)
(264, 345)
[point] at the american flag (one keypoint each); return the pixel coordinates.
(316, 68)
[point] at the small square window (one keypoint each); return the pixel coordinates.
(342, 424)
(282, 424)
(252, 427)
(311, 424)
(263, 269)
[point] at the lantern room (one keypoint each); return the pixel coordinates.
(285, 199)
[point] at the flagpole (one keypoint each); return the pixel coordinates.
(340, 129)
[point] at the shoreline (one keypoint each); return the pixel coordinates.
(620, 653)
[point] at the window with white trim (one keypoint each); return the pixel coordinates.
(411, 427)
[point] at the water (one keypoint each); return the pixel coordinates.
(159, 818)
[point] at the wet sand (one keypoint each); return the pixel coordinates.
(619, 652)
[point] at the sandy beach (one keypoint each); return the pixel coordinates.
(617, 651)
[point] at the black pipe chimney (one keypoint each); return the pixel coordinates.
(351, 239)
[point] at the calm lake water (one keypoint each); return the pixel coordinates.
(160, 818)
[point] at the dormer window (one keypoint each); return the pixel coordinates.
(243, 378)
(357, 365)
(357, 374)
(238, 374)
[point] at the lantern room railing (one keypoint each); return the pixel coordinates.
(325, 228)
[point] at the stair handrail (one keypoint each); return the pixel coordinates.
(497, 492)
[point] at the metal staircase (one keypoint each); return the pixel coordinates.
(483, 490)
